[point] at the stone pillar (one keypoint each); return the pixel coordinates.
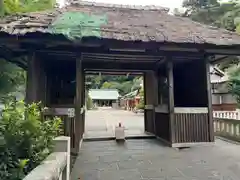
(62, 144)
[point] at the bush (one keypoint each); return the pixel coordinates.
(25, 140)
(89, 103)
(140, 105)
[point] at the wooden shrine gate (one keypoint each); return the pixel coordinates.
(175, 63)
(177, 109)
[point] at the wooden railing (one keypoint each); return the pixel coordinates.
(67, 115)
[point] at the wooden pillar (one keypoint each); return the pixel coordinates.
(145, 101)
(78, 105)
(83, 101)
(150, 97)
(171, 99)
(209, 94)
(31, 89)
(36, 80)
(155, 99)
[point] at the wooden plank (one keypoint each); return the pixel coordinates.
(163, 108)
(162, 126)
(56, 111)
(195, 110)
(191, 127)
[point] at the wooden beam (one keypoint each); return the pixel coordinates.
(104, 72)
(119, 66)
(105, 52)
(123, 58)
(56, 40)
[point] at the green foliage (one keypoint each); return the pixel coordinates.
(89, 103)
(216, 13)
(124, 84)
(25, 140)
(234, 82)
(225, 15)
(213, 13)
(141, 103)
(106, 85)
(11, 77)
(22, 6)
(228, 62)
(196, 4)
(124, 87)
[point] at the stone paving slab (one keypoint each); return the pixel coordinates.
(150, 160)
(101, 123)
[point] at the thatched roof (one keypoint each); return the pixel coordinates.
(128, 23)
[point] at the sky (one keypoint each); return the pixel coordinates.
(164, 3)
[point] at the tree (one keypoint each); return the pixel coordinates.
(11, 77)
(1, 8)
(106, 85)
(234, 82)
(89, 102)
(211, 12)
(141, 102)
(21, 6)
(124, 83)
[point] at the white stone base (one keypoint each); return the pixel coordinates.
(120, 133)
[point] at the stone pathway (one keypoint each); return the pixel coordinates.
(150, 160)
(101, 123)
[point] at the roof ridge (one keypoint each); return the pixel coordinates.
(122, 6)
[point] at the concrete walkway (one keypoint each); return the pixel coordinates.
(150, 160)
(101, 123)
